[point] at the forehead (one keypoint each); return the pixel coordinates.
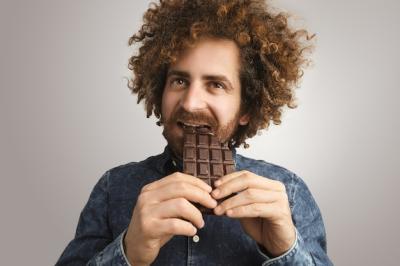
(210, 57)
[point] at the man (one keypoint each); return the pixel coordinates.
(230, 65)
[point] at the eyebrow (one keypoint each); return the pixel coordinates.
(205, 77)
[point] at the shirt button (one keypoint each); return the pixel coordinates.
(196, 238)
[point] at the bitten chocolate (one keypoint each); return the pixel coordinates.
(205, 157)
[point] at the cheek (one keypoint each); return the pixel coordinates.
(225, 109)
(166, 104)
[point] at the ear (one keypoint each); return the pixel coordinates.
(244, 119)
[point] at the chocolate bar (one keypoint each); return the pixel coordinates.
(205, 157)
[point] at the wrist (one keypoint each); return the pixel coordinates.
(278, 248)
(132, 259)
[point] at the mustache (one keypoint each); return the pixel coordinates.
(194, 118)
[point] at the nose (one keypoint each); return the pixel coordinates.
(193, 98)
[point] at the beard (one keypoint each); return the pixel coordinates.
(224, 133)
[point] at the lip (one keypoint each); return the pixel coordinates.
(182, 124)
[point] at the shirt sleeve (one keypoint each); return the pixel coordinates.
(310, 245)
(93, 243)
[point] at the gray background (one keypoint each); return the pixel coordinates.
(66, 117)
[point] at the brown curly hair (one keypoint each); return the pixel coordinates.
(271, 53)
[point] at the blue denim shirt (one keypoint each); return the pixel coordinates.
(222, 241)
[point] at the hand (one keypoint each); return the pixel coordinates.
(162, 211)
(262, 206)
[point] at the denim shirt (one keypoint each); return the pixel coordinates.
(222, 241)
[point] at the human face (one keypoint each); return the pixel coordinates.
(203, 88)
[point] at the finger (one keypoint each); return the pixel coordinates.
(175, 226)
(242, 173)
(246, 181)
(179, 208)
(264, 210)
(228, 177)
(249, 196)
(179, 190)
(178, 177)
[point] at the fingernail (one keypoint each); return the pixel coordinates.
(217, 183)
(216, 192)
(218, 210)
(214, 201)
(202, 224)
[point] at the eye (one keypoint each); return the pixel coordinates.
(217, 85)
(178, 82)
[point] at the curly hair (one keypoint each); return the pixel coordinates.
(272, 54)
